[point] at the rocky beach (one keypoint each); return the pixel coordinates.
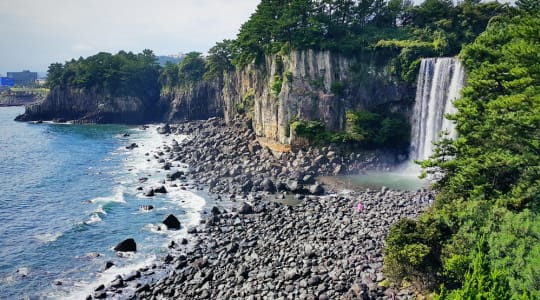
(274, 232)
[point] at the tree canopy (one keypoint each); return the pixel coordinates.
(491, 187)
(124, 73)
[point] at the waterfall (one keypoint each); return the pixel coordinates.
(440, 81)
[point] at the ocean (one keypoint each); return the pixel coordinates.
(68, 195)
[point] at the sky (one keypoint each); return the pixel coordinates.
(36, 33)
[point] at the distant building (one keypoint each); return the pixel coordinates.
(7, 82)
(24, 78)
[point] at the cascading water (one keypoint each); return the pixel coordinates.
(440, 81)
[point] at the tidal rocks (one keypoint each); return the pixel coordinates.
(164, 130)
(132, 146)
(160, 190)
(320, 247)
(171, 222)
(175, 175)
(127, 245)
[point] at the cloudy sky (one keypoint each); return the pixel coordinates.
(34, 34)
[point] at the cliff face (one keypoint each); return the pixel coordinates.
(201, 101)
(309, 85)
(303, 85)
(90, 106)
(19, 98)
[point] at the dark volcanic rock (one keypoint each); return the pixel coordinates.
(164, 130)
(246, 208)
(132, 146)
(161, 190)
(171, 222)
(128, 245)
(175, 175)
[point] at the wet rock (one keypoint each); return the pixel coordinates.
(164, 130)
(149, 193)
(161, 190)
(108, 265)
(267, 185)
(127, 245)
(171, 222)
(175, 175)
(132, 146)
(246, 208)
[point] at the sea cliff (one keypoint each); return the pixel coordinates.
(302, 85)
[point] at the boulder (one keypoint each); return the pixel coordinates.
(171, 222)
(161, 190)
(316, 189)
(132, 146)
(267, 185)
(128, 245)
(246, 208)
(246, 187)
(164, 130)
(293, 185)
(175, 175)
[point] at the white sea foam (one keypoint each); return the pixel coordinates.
(94, 218)
(48, 237)
(117, 197)
(82, 289)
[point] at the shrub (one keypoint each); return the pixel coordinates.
(276, 85)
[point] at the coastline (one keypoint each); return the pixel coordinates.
(253, 242)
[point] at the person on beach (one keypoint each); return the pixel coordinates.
(359, 207)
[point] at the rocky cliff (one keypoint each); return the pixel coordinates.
(196, 102)
(303, 85)
(91, 106)
(309, 85)
(20, 98)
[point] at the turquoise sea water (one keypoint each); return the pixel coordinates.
(68, 196)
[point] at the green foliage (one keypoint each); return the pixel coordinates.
(276, 84)
(481, 282)
(123, 73)
(364, 129)
(491, 184)
(412, 251)
(317, 83)
(338, 88)
(191, 69)
(245, 107)
(219, 60)
(377, 130)
(288, 76)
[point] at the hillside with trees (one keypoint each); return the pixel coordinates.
(121, 74)
(482, 237)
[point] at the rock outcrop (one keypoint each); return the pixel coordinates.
(309, 85)
(303, 85)
(92, 106)
(198, 102)
(19, 98)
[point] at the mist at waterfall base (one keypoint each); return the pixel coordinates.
(439, 83)
(69, 196)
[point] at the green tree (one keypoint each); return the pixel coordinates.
(191, 69)
(219, 59)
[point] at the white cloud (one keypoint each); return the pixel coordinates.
(37, 33)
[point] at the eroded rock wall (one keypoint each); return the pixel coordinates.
(314, 86)
(90, 106)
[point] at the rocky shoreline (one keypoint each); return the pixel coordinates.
(274, 232)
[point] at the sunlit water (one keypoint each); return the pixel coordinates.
(401, 178)
(68, 196)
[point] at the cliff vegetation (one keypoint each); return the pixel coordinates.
(481, 239)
